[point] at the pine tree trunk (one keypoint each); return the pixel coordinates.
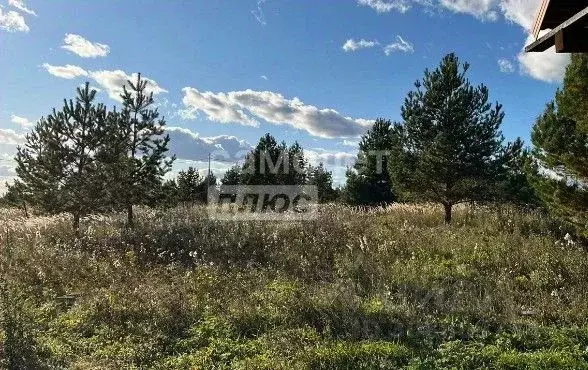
(448, 209)
(76, 222)
(130, 216)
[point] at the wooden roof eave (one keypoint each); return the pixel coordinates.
(549, 39)
(540, 17)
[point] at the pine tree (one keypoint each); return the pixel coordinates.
(296, 173)
(560, 139)
(168, 194)
(270, 163)
(15, 196)
(451, 149)
(140, 146)
(357, 190)
(58, 167)
(232, 176)
(369, 182)
(189, 185)
(515, 188)
(320, 177)
(256, 169)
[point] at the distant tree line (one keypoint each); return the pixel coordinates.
(189, 187)
(448, 148)
(273, 163)
(269, 163)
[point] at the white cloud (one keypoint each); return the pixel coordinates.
(505, 65)
(113, 82)
(188, 145)
(12, 21)
(263, 77)
(521, 12)
(350, 143)
(21, 121)
(84, 48)
(67, 71)
(400, 45)
(330, 158)
(386, 6)
(9, 142)
(249, 107)
(218, 107)
(481, 9)
(7, 172)
(10, 137)
(547, 66)
(110, 81)
(20, 5)
(336, 162)
(352, 45)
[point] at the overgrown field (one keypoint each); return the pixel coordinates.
(386, 289)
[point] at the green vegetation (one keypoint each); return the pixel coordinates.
(270, 163)
(369, 182)
(387, 288)
(84, 159)
(187, 188)
(560, 137)
(145, 279)
(450, 144)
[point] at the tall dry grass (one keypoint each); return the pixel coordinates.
(381, 288)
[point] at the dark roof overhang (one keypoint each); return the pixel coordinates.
(567, 22)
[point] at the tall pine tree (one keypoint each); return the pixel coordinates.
(58, 166)
(140, 146)
(451, 147)
(560, 139)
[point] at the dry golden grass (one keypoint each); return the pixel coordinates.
(384, 288)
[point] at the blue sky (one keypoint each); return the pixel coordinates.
(226, 72)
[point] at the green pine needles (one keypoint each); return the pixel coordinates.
(450, 148)
(560, 138)
(85, 158)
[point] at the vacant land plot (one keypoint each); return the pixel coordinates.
(390, 288)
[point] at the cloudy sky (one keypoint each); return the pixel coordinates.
(226, 72)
